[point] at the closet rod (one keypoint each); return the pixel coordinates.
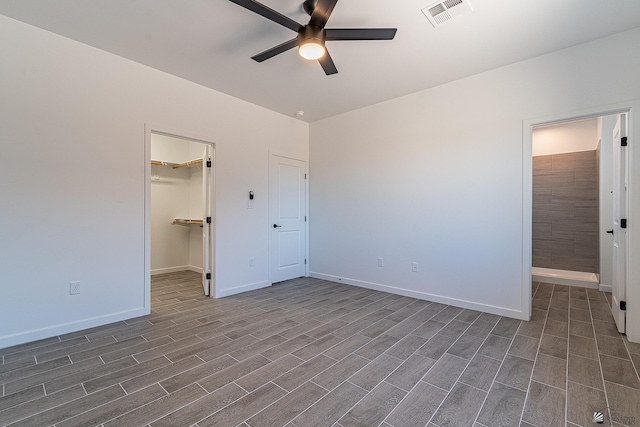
(189, 163)
(182, 221)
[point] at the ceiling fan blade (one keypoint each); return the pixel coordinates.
(360, 34)
(327, 64)
(322, 12)
(270, 53)
(268, 13)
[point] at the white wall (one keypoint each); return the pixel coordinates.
(607, 124)
(72, 166)
(571, 137)
(436, 177)
(172, 150)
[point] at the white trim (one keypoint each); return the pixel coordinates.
(527, 219)
(243, 288)
(631, 107)
(147, 218)
(182, 134)
(578, 279)
(65, 328)
(176, 269)
(195, 269)
(605, 288)
(486, 308)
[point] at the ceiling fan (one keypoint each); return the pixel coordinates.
(312, 37)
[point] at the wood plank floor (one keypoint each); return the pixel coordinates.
(312, 353)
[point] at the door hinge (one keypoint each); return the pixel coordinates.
(623, 305)
(623, 223)
(305, 261)
(623, 141)
(305, 218)
(305, 176)
(208, 276)
(208, 220)
(208, 163)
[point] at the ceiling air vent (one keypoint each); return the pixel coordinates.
(443, 11)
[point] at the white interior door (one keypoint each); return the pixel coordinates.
(287, 205)
(207, 220)
(620, 203)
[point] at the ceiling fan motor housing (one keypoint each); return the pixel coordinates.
(311, 40)
(311, 33)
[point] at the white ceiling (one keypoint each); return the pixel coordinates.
(210, 42)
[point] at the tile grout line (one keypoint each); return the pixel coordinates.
(461, 373)
(493, 381)
(595, 339)
(633, 365)
(526, 398)
(566, 376)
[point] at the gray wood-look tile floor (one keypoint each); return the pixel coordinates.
(312, 353)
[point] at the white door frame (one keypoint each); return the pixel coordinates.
(633, 244)
(306, 202)
(181, 134)
(620, 210)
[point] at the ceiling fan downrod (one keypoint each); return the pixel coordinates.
(309, 6)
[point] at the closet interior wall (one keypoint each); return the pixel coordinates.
(175, 193)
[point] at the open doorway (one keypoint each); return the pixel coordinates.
(579, 198)
(180, 201)
(566, 202)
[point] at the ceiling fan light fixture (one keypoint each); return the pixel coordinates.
(311, 43)
(311, 50)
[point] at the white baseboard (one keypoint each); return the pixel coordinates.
(605, 288)
(486, 308)
(194, 268)
(65, 328)
(176, 269)
(243, 288)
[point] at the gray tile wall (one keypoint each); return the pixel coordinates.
(565, 211)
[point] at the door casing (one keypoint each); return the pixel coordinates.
(632, 272)
(620, 210)
(150, 128)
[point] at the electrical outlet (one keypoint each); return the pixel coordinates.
(414, 267)
(74, 288)
(252, 262)
(380, 262)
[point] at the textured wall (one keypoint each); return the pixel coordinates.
(565, 211)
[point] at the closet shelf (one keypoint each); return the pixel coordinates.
(161, 163)
(186, 221)
(189, 163)
(176, 165)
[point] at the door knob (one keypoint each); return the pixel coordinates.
(276, 226)
(610, 232)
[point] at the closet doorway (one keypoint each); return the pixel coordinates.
(181, 200)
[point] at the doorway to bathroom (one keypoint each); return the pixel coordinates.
(579, 195)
